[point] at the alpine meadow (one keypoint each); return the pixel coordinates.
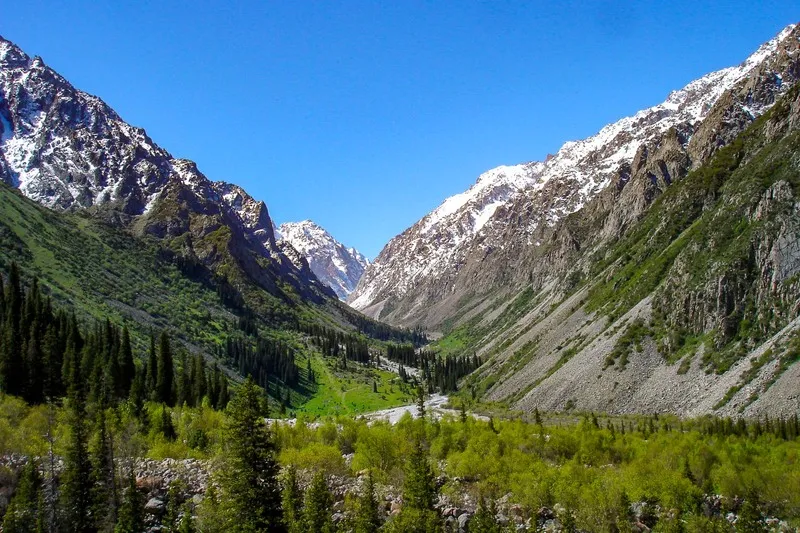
(603, 340)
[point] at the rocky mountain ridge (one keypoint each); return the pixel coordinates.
(438, 259)
(68, 150)
(335, 265)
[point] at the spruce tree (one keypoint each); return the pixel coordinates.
(250, 485)
(485, 518)
(151, 369)
(131, 513)
(34, 366)
(70, 368)
(224, 397)
(317, 506)
(183, 390)
(421, 401)
(12, 371)
(137, 396)
(367, 517)
(198, 379)
(292, 502)
(76, 478)
(127, 368)
(25, 512)
(419, 490)
(165, 371)
(418, 514)
(51, 365)
(105, 503)
(164, 424)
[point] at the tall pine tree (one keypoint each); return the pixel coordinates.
(418, 514)
(76, 478)
(25, 512)
(367, 516)
(250, 485)
(165, 371)
(317, 506)
(127, 368)
(292, 503)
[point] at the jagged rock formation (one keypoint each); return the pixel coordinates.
(68, 150)
(476, 241)
(335, 265)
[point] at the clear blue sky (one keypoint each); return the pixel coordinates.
(364, 116)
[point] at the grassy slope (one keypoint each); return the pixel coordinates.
(350, 392)
(102, 272)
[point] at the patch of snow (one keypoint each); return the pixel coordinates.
(333, 264)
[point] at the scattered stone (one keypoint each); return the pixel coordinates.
(155, 506)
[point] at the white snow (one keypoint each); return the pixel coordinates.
(440, 241)
(334, 265)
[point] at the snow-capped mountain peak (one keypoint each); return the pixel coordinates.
(432, 251)
(334, 264)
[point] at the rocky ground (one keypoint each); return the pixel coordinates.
(192, 477)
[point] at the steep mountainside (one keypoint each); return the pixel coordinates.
(336, 266)
(651, 268)
(485, 238)
(694, 309)
(68, 150)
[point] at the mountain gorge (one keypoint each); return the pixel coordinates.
(604, 341)
(651, 267)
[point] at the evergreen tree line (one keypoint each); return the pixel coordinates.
(45, 353)
(384, 332)
(447, 371)
(340, 345)
(787, 429)
(263, 359)
(94, 492)
(440, 373)
(782, 428)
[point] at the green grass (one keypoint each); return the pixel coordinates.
(457, 342)
(340, 392)
(101, 272)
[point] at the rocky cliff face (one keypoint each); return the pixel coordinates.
(68, 150)
(495, 234)
(335, 265)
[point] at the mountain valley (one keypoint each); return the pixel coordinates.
(607, 340)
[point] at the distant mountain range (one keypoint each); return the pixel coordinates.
(421, 271)
(652, 267)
